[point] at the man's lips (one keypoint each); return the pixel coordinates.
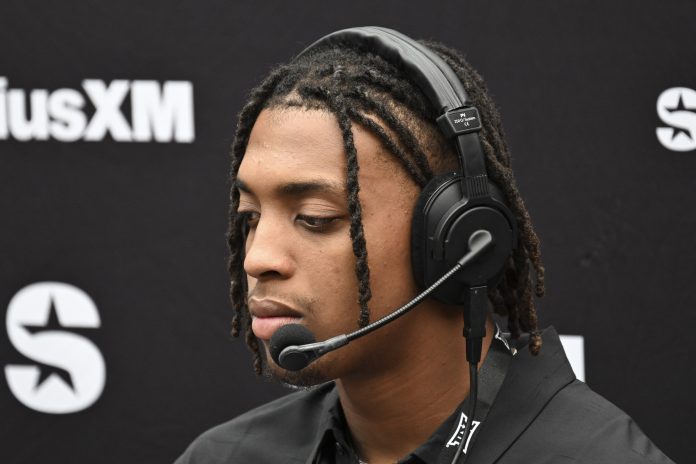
(267, 316)
(265, 327)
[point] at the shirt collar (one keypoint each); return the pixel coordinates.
(332, 431)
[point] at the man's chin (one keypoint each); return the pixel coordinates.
(308, 377)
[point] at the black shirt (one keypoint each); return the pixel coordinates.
(336, 446)
(541, 414)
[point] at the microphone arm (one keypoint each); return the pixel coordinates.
(296, 357)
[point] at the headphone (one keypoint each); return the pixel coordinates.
(454, 205)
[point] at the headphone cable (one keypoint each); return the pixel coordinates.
(459, 456)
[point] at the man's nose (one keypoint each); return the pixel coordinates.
(268, 253)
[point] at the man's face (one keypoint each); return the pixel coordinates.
(299, 256)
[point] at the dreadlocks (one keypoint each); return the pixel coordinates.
(359, 87)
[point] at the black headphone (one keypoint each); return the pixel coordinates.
(454, 205)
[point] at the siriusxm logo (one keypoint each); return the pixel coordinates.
(159, 113)
(677, 108)
(67, 371)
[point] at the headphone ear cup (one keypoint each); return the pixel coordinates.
(419, 252)
(443, 222)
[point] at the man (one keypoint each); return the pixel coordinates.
(331, 155)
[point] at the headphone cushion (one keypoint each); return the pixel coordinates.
(418, 226)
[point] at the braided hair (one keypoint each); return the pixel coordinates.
(360, 87)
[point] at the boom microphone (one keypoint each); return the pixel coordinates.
(289, 335)
(293, 346)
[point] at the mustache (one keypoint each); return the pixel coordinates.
(305, 305)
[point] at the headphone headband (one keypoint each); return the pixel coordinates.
(440, 84)
(432, 75)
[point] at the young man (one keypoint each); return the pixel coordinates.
(331, 155)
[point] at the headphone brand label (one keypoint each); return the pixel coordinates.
(160, 113)
(677, 108)
(465, 121)
(460, 121)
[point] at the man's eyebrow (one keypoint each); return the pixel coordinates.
(239, 183)
(299, 188)
(314, 186)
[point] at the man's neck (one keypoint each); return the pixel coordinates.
(392, 413)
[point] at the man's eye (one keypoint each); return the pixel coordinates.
(315, 223)
(249, 219)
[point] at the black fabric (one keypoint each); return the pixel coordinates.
(490, 379)
(542, 414)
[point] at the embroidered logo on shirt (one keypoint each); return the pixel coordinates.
(458, 434)
(499, 336)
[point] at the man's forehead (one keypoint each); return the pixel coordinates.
(291, 128)
(295, 141)
(299, 151)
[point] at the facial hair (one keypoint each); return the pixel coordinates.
(310, 376)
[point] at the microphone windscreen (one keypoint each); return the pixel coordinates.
(288, 335)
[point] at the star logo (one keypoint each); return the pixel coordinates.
(681, 107)
(62, 370)
(676, 107)
(52, 324)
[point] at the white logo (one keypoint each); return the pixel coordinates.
(160, 113)
(458, 434)
(677, 107)
(574, 347)
(499, 336)
(69, 373)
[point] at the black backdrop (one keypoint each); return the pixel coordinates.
(139, 226)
